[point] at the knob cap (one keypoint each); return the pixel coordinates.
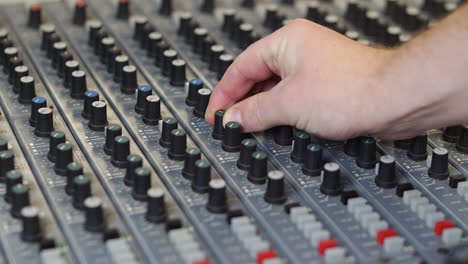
(46, 31)
(13, 177)
(119, 63)
(231, 137)
(386, 177)
(112, 131)
(178, 145)
(218, 129)
(98, 120)
(134, 162)
(331, 182)
(123, 9)
(202, 176)
(34, 16)
(79, 14)
(152, 113)
(27, 90)
(258, 168)
(154, 38)
(191, 156)
(313, 160)
(203, 99)
(177, 73)
(70, 67)
(121, 151)
(44, 123)
(217, 198)
(37, 102)
(78, 84)
(351, 146)
(89, 98)
(6, 163)
(192, 94)
(94, 218)
(143, 92)
(168, 125)
(8, 54)
(248, 147)
(129, 84)
(418, 148)
(31, 225)
(165, 8)
(142, 183)
(283, 135)
(452, 133)
(169, 56)
(275, 192)
(19, 199)
(367, 153)
(462, 142)
(56, 138)
(82, 190)
(439, 164)
(20, 72)
(64, 157)
(301, 140)
(156, 208)
(224, 61)
(73, 170)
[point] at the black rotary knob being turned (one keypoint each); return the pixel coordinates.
(168, 124)
(152, 112)
(452, 133)
(275, 191)
(64, 156)
(82, 190)
(191, 156)
(44, 123)
(231, 137)
(203, 99)
(258, 168)
(31, 224)
(217, 197)
(283, 135)
(218, 129)
(141, 184)
(94, 217)
(301, 140)
(192, 94)
(313, 160)
(27, 90)
(418, 148)
(386, 176)
(112, 131)
(201, 177)
(36, 103)
(89, 98)
(56, 138)
(439, 164)
(331, 181)
(143, 92)
(98, 120)
(248, 147)
(7, 163)
(120, 151)
(156, 207)
(73, 170)
(178, 145)
(367, 157)
(134, 162)
(462, 142)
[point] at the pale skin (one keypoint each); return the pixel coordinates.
(317, 80)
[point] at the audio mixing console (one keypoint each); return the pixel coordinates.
(105, 156)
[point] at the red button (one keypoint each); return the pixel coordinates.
(206, 261)
(326, 244)
(35, 7)
(383, 234)
(80, 4)
(440, 226)
(264, 255)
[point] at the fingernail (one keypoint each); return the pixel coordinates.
(233, 115)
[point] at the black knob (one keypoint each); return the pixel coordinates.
(123, 9)
(418, 148)
(121, 151)
(134, 162)
(153, 40)
(331, 182)
(89, 98)
(37, 102)
(13, 177)
(168, 125)
(70, 68)
(202, 176)
(402, 144)
(19, 72)
(228, 20)
(439, 164)
(203, 99)
(46, 31)
(143, 92)
(218, 129)
(192, 95)
(367, 157)
(189, 33)
(392, 36)
(224, 61)
(165, 8)
(64, 157)
(462, 142)
(7, 163)
(53, 38)
(205, 54)
(313, 160)
(156, 208)
(452, 133)
(57, 49)
(283, 135)
(98, 120)
(12, 64)
(232, 137)
(178, 145)
(112, 131)
(169, 56)
(247, 148)
(351, 146)
(386, 177)
(152, 113)
(112, 53)
(31, 225)
(275, 192)
(79, 14)
(19, 199)
(271, 14)
(73, 170)
(244, 38)
(34, 17)
(56, 138)
(4, 44)
(78, 84)
(191, 156)
(119, 63)
(106, 44)
(27, 90)
(248, 3)
(159, 52)
(217, 197)
(177, 74)
(94, 26)
(8, 54)
(258, 168)
(62, 59)
(129, 84)
(301, 140)
(94, 218)
(199, 35)
(141, 184)
(213, 57)
(3, 144)
(184, 20)
(44, 123)
(82, 190)
(140, 22)
(207, 6)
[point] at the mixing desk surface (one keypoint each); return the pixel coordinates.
(105, 156)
